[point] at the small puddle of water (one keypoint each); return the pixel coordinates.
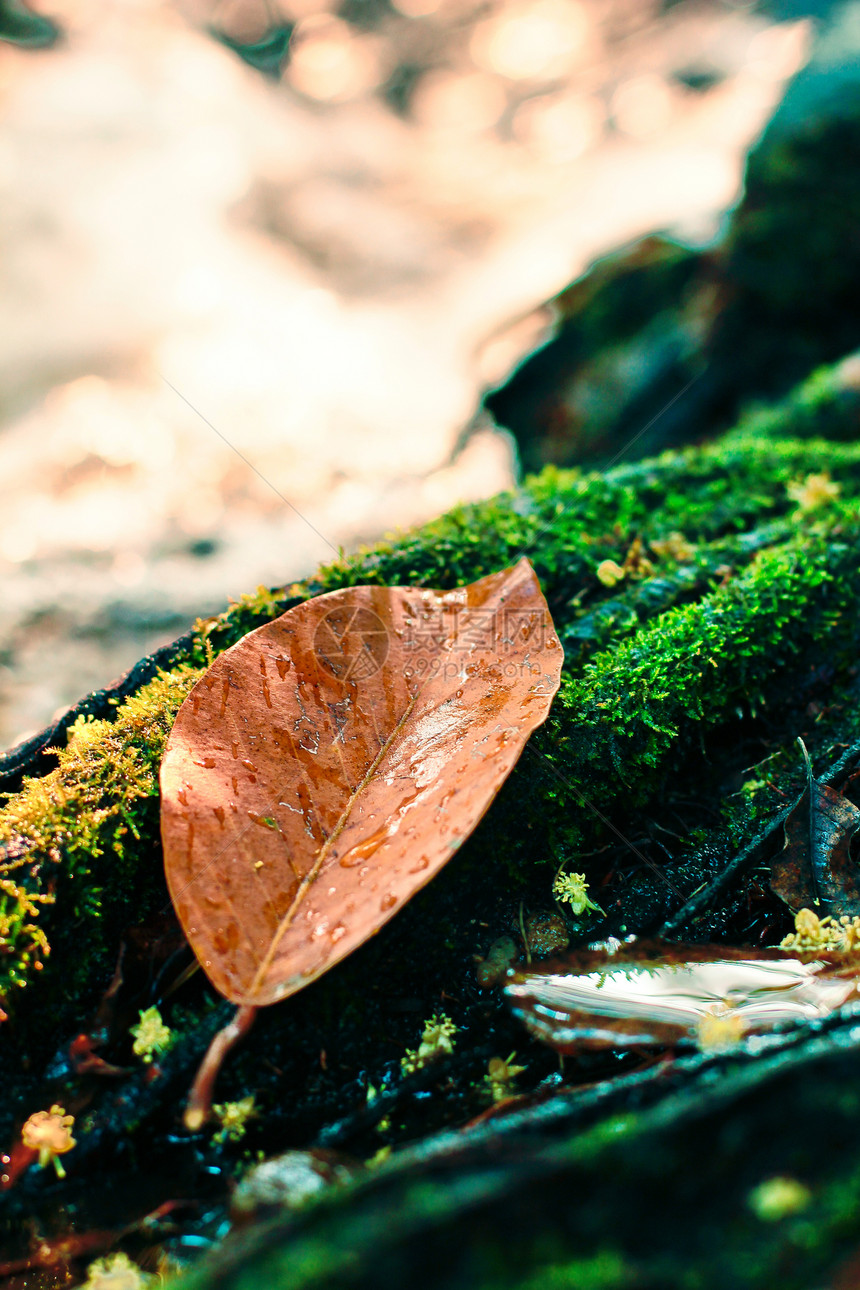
(711, 996)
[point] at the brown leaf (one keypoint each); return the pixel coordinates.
(815, 870)
(331, 762)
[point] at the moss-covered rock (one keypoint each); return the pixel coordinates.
(707, 600)
(741, 584)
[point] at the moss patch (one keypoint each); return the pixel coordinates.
(80, 835)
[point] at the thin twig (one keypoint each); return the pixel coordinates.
(702, 899)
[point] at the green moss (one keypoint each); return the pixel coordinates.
(568, 522)
(613, 726)
(213, 635)
(824, 406)
(82, 831)
(607, 1133)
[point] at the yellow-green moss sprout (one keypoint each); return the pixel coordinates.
(673, 547)
(437, 1041)
(233, 1118)
(814, 934)
(610, 572)
(151, 1036)
(720, 1029)
(500, 1077)
(117, 1272)
(814, 492)
(778, 1198)
(572, 889)
(50, 1133)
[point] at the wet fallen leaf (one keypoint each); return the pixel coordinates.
(330, 763)
(815, 869)
(665, 996)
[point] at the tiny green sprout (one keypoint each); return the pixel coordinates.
(233, 1118)
(372, 1094)
(500, 1077)
(573, 889)
(778, 1198)
(116, 1272)
(437, 1041)
(150, 1035)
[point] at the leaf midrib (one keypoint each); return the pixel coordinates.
(325, 850)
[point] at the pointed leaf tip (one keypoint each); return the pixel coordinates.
(331, 762)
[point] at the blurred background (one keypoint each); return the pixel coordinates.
(261, 260)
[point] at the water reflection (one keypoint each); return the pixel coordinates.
(661, 1002)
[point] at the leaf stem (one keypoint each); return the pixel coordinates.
(199, 1106)
(311, 875)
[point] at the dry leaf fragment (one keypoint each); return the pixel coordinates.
(330, 763)
(815, 870)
